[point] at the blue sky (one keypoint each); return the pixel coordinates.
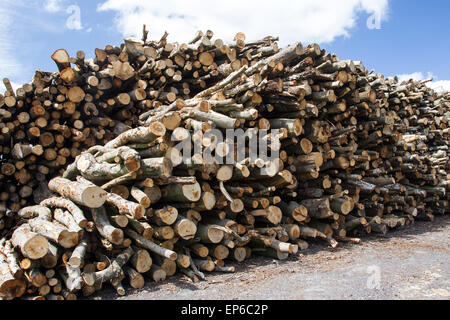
(412, 39)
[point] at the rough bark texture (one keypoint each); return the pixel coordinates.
(125, 140)
(89, 196)
(31, 244)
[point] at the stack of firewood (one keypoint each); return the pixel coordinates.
(116, 198)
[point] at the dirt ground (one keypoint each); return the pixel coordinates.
(411, 263)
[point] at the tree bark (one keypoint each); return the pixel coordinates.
(76, 212)
(62, 236)
(141, 241)
(104, 227)
(89, 196)
(31, 244)
(114, 271)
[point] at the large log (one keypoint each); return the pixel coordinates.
(10, 287)
(89, 196)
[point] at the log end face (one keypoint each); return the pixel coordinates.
(300, 213)
(139, 212)
(209, 200)
(157, 128)
(274, 215)
(192, 192)
(224, 173)
(221, 252)
(82, 223)
(170, 267)
(173, 256)
(215, 235)
(68, 239)
(167, 167)
(209, 266)
(346, 207)
(143, 261)
(184, 261)
(75, 262)
(94, 197)
(203, 252)
(186, 229)
(89, 278)
(12, 289)
(294, 232)
(297, 127)
(237, 205)
(168, 216)
(239, 254)
(36, 247)
(137, 282)
(132, 164)
(117, 236)
(159, 275)
(306, 146)
(245, 171)
(175, 156)
(61, 56)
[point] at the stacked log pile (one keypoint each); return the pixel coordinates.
(358, 153)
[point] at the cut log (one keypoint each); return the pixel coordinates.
(165, 216)
(61, 58)
(89, 196)
(114, 271)
(55, 233)
(50, 260)
(77, 257)
(66, 219)
(181, 192)
(157, 274)
(10, 287)
(76, 212)
(141, 241)
(294, 210)
(185, 228)
(209, 234)
(140, 197)
(137, 281)
(31, 244)
(318, 208)
(169, 266)
(141, 260)
(125, 207)
(272, 214)
(12, 258)
(104, 227)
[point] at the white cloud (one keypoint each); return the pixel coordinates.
(437, 85)
(10, 66)
(73, 22)
(440, 86)
(307, 20)
(53, 5)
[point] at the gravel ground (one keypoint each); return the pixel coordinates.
(411, 263)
